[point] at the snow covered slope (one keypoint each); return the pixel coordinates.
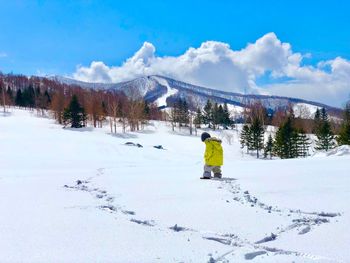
(84, 196)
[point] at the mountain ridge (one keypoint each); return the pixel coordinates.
(164, 90)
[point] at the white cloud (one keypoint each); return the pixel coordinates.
(97, 72)
(214, 64)
(267, 53)
(330, 86)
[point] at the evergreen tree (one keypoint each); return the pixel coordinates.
(221, 113)
(47, 97)
(268, 147)
(146, 109)
(226, 117)
(284, 139)
(43, 100)
(37, 96)
(9, 93)
(198, 118)
(294, 145)
(303, 144)
(19, 98)
(3, 97)
(74, 114)
(208, 113)
(317, 121)
(245, 138)
(216, 115)
(317, 114)
(290, 142)
(325, 137)
(104, 107)
(344, 133)
(29, 97)
(257, 135)
(184, 112)
(180, 113)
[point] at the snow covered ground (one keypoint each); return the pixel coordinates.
(84, 196)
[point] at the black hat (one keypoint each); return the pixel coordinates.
(205, 136)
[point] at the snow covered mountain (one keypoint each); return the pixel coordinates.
(163, 90)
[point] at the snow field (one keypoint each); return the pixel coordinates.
(84, 196)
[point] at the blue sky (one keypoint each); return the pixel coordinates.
(56, 36)
(92, 41)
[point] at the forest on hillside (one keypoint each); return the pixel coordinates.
(76, 107)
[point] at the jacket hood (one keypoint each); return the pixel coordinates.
(213, 139)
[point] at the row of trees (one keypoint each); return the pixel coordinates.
(185, 114)
(65, 102)
(101, 106)
(76, 107)
(180, 114)
(27, 97)
(214, 115)
(290, 140)
(110, 106)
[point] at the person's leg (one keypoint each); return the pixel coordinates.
(207, 171)
(217, 171)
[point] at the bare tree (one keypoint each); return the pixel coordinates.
(94, 107)
(302, 111)
(136, 109)
(194, 104)
(112, 110)
(172, 117)
(58, 104)
(256, 110)
(122, 112)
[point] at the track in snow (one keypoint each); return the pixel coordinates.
(302, 221)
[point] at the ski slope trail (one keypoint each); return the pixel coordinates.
(86, 195)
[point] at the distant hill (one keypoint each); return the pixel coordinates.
(164, 90)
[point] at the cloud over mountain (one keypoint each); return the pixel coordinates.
(215, 65)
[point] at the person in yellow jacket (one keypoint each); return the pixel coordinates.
(213, 156)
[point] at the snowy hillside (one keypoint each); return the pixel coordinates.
(85, 196)
(159, 89)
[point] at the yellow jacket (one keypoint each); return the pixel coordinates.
(214, 154)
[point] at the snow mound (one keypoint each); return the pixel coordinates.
(338, 151)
